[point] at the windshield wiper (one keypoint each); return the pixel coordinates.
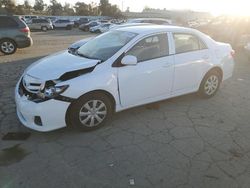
(85, 56)
(82, 55)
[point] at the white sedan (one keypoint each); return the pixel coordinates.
(118, 70)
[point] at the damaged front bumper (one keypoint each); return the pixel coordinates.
(41, 116)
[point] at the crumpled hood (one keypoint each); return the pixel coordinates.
(54, 66)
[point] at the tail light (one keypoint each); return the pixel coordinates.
(25, 30)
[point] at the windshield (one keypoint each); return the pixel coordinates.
(106, 45)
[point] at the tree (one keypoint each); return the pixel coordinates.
(67, 10)
(27, 7)
(104, 7)
(127, 10)
(39, 5)
(107, 9)
(146, 8)
(114, 11)
(20, 10)
(94, 9)
(82, 9)
(55, 8)
(8, 5)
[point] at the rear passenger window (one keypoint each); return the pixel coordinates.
(150, 48)
(44, 21)
(187, 43)
(6, 22)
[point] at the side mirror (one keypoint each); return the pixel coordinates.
(129, 60)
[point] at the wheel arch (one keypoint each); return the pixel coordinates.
(7, 38)
(99, 91)
(217, 69)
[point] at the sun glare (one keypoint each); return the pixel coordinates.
(231, 9)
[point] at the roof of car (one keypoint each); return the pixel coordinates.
(149, 19)
(148, 29)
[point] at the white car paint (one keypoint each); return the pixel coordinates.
(115, 26)
(131, 85)
(60, 65)
(159, 21)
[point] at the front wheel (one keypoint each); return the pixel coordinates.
(210, 84)
(90, 111)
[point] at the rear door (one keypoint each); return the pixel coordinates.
(8, 27)
(59, 23)
(35, 24)
(39, 24)
(192, 58)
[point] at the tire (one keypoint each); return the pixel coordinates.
(44, 28)
(210, 84)
(83, 116)
(8, 46)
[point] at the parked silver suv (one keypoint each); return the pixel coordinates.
(40, 24)
(59, 24)
(14, 34)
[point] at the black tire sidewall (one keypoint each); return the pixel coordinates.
(202, 92)
(8, 40)
(77, 105)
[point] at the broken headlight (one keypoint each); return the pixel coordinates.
(52, 91)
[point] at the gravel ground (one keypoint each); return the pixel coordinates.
(185, 142)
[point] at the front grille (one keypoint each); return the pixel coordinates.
(31, 92)
(32, 84)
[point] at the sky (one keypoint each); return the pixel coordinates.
(216, 7)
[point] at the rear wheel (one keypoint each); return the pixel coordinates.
(90, 111)
(210, 84)
(8, 46)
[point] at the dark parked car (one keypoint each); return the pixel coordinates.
(81, 21)
(14, 33)
(75, 46)
(86, 27)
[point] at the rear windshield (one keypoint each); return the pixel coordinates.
(7, 22)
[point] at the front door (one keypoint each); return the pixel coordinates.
(152, 76)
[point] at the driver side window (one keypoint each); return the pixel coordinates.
(152, 47)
